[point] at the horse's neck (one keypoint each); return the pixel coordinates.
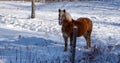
(67, 23)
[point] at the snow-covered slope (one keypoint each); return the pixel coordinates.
(39, 40)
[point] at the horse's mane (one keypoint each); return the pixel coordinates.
(68, 16)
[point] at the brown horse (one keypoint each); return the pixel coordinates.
(84, 28)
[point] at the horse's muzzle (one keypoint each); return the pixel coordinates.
(60, 22)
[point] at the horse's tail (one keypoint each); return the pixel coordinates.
(91, 24)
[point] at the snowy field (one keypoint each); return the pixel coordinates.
(39, 40)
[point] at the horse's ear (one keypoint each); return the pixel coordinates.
(59, 10)
(64, 10)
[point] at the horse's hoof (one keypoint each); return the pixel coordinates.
(88, 47)
(65, 50)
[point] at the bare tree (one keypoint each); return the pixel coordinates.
(33, 9)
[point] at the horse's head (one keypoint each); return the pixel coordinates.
(63, 15)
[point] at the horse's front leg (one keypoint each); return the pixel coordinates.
(65, 40)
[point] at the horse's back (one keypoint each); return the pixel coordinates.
(86, 22)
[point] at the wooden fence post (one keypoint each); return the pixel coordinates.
(33, 9)
(72, 59)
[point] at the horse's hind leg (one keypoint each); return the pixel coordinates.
(87, 36)
(89, 39)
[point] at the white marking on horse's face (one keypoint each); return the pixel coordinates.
(61, 18)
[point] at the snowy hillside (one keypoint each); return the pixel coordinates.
(39, 40)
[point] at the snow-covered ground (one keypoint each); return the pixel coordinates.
(39, 40)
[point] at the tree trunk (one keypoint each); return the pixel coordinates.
(33, 9)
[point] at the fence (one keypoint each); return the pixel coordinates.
(73, 48)
(48, 1)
